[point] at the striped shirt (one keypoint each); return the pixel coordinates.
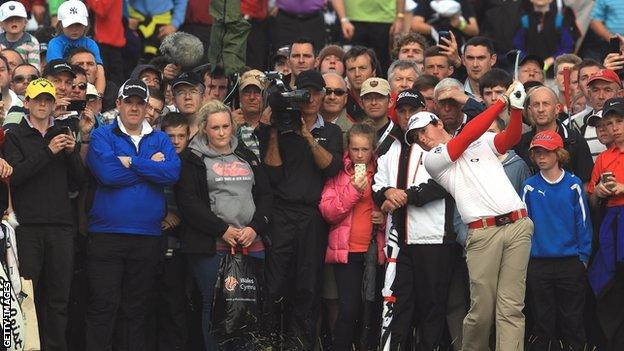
(611, 13)
(246, 134)
(27, 46)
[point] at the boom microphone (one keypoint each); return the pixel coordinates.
(183, 49)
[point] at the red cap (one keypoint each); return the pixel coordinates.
(548, 139)
(606, 75)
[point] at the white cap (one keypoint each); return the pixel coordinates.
(92, 91)
(12, 9)
(419, 120)
(73, 11)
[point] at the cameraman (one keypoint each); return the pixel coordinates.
(298, 162)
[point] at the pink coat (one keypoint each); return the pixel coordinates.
(337, 202)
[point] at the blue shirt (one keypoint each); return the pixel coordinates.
(611, 13)
(560, 214)
(60, 46)
(156, 7)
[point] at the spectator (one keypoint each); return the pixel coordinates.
(188, 90)
(109, 33)
(216, 84)
(281, 63)
(411, 46)
(375, 95)
(562, 62)
(530, 69)
(251, 130)
(132, 163)
(9, 98)
(297, 166)
(453, 106)
(149, 74)
(86, 60)
(542, 112)
(437, 63)
(370, 24)
(22, 76)
(301, 58)
(401, 75)
(155, 20)
(93, 109)
(585, 70)
(71, 33)
(155, 107)
(425, 84)
(355, 225)
(578, 99)
(514, 166)
(258, 41)
(330, 60)
(334, 103)
(45, 160)
(296, 19)
(547, 30)
(493, 85)
(478, 58)
(14, 17)
(13, 57)
(460, 18)
(409, 102)
(561, 245)
(79, 88)
(198, 21)
(606, 21)
(360, 64)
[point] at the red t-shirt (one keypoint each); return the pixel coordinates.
(109, 29)
(611, 160)
(361, 220)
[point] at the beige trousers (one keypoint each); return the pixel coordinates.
(497, 259)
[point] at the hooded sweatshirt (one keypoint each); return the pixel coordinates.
(230, 183)
(516, 169)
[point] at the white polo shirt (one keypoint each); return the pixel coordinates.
(476, 180)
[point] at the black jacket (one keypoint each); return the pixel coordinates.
(40, 179)
(201, 227)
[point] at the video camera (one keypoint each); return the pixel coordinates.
(284, 102)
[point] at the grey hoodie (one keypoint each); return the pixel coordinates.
(230, 183)
(516, 169)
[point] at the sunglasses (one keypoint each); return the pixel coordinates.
(338, 92)
(21, 79)
(81, 86)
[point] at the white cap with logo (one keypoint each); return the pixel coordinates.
(73, 11)
(12, 9)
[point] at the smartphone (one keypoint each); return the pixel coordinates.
(77, 105)
(444, 34)
(607, 177)
(360, 170)
(614, 45)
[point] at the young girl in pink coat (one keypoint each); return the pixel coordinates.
(347, 205)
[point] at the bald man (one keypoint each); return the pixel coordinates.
(543, 105)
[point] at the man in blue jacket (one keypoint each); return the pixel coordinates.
(131, 163)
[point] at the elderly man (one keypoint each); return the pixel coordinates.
(251, 130)
(333, 109)
(454, 107)
(188, 90)
(22, 76)
(132, 163)
(531, 69)
(402, 74)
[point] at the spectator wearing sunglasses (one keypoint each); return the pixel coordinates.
(333, 109)
(79, 88)
(22, 75)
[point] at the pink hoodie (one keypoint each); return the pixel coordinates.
(337, 202)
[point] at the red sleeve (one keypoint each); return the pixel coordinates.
(506, 139)
(100, 7)
(473, 130)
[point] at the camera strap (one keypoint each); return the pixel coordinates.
(385, 134)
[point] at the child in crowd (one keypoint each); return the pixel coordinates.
(13, 17)
(71, 33)
(561, 246)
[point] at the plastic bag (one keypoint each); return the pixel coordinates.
(236, 302)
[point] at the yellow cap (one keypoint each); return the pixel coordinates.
(40, 86)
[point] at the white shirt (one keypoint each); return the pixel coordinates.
(476, 180)
(136, 139)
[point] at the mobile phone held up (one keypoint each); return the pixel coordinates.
(614, 45)
(444, 34)
(77, 105)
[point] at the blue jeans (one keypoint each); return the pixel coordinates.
(205, 270)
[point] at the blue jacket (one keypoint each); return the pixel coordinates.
(561, 217)
(129, 200)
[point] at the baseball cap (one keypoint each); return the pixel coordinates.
(12, 9)
(547, 139)
(532, 58)
(606, 75)
(613, 105)
(57, 66)
(310, 79)
(375, 85)
(252, 77)
(411, 97)
(40, 86)
(133, 87)
(418, 121)
(283, 52)
(92, 91)
(188, 78)
(73, 11)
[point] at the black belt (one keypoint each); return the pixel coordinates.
(301, 16)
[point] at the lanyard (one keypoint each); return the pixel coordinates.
(385, 134)
(417, 166)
